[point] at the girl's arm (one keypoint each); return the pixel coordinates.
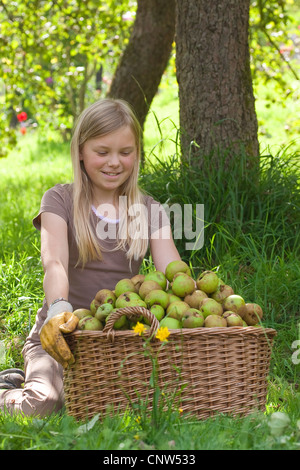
(163, 249)
(55, 256)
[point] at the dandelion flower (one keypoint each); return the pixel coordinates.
(139, 328)
(163, 333)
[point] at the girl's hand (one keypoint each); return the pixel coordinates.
(52, 339)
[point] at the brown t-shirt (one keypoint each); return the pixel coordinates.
(96, 275)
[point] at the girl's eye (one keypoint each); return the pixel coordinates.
(102, 153)
(126, 152)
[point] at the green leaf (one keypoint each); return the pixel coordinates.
(87, 427)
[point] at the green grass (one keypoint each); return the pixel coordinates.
(251, 239)
(61, 432)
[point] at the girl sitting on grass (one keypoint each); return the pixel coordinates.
(94, 232)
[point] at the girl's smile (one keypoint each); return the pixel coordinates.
(109, 160)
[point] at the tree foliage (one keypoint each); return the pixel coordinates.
(51, 53)
(274, 39)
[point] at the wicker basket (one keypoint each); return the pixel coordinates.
(217, 369)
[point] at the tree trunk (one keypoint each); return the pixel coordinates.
(146, 56)
(216, 99)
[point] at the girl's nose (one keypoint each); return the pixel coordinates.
(114, 160)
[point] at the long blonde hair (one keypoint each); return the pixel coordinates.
(101, 118)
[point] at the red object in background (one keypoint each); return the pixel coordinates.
(23, 130)
(22, 116)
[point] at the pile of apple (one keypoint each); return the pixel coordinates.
(175, 299)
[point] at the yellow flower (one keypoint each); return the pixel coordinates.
(163, 333)
(139, 328)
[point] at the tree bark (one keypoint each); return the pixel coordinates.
(217, 109)
(146, 56)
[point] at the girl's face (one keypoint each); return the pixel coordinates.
(109, 160)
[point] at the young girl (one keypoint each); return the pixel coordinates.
(94, 232)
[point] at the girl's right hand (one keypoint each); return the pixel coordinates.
(52, 339)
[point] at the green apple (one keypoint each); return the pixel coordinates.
(158, 311)
(82, 312)
(105, 296)
(158, 297)
(232, 318)
(233, 302)
(207, 281)
(177, 309)
(138, 280)
(103, 311)
(183, 284)
(174, 267)
(93, 306)
(170, 323)
(127, 299)
(158, 277)
(124, 285)
(210, 307)
(193, 318)
(195, 298)
(148, 286)
(90, 323)
(214, 321)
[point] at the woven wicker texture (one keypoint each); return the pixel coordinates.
(219, 369)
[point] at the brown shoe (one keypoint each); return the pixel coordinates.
(11, 378)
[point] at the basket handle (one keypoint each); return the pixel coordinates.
(131, 313)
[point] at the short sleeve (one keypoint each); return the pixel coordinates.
(55, 200)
